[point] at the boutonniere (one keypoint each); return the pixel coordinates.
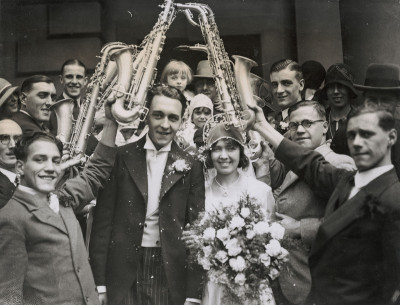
(283, 126)
(373, 207)
(180, 166)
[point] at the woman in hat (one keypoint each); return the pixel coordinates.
(225, 153)
(340, 92)
(9, 100)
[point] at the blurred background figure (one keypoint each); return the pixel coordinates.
(9, 99)
(314, 75)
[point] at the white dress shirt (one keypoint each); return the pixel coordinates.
(156, 161)
(53, 202)
(361, 179)
(10, 175)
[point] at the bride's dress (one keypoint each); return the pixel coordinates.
(246, 185)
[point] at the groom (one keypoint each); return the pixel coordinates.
(155, 189)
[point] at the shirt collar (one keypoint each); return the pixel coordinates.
(65, 96)
(149, 145)
(361, 179)
(10, 175)
(24, 111)
(285, 113)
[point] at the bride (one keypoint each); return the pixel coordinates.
(225, 153)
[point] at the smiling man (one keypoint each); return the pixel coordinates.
(355, 256)
(136, 251)
(43, 257)
(10, 133)
(38, 94)
(287, 84)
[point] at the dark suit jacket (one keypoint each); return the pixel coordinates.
(355, 258)
(119, 219)
(27, 123)
(6, 189)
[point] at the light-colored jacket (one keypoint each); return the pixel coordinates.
(296, 199)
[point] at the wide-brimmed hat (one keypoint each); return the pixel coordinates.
(203, 70)
(6, 90)
(340, 74)
(381, 77)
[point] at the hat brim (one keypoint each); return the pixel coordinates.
(6, 95)
(353, 92)
(363, 88)
(202, 76)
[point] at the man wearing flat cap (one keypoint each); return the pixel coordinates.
(382, 87)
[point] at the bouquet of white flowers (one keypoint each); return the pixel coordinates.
(240, 249)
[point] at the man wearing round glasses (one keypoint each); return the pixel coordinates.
(10, 132)
(299, 207)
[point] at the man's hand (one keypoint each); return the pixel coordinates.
(107, 109)
(266, 155)
(291, 225)
(190, 238)
(103, 298)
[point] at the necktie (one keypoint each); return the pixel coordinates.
(54, 203)
(75, 111)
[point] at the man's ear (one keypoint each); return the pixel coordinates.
(61, 79)
(23, 98)
(392, 137)
(325, 126)
(301, 82)
(85, 81)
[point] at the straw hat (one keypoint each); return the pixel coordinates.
(6, 90)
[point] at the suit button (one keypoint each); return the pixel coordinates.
(78, 269)
(157, 242)
(145, 225)
(87, 299)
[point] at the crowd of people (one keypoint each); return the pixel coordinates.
(326, 167)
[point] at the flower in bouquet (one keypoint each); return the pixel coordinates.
(240, 279)
(273, 248)
(233, 247)
(209, 234)
(261, 228)
(265, 259)
(250, 234)
(237, 222)
(277, 231)
(238, 263)
(223, 235)
(245, 212)
(222, 256)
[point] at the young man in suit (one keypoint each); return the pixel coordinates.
(43, 257)
(38, 94)
(355, 256)
(10, 132)
(300, 208)
(155, 190)
(287, 84)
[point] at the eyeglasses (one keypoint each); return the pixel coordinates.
(305, 123)
(5, 139)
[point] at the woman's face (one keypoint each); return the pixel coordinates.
(225, 156)
(200, 116)
(11, 105)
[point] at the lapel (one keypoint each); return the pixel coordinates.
(170, 176)
(290, 178)
(71, 225)
(39, 209)
(135, 161)
(351, 210)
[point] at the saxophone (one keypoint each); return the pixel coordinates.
(74, 134)
(233, 86)
(137, 77)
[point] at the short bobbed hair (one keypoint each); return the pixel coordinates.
(243, 159)
(176, 67)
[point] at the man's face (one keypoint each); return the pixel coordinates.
(164, 120)
(338, 95)
(369, 144)
(9, 132)
(381, 97)
(41, 170)
(286, 88)
(207, 87)
(39, 99)
(73, 80)
(310, 137)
